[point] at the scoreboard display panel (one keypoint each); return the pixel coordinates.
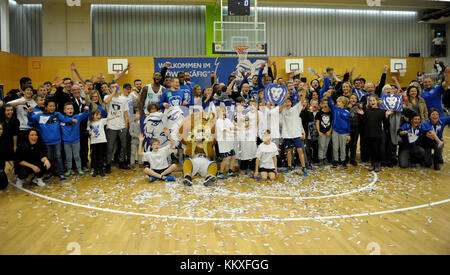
(238, 7)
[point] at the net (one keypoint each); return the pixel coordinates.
(241, 52)
(402, 72)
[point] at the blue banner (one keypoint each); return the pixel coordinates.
(392, 102)
(200, 68)
(275, 93)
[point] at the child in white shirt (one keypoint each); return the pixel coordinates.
(266, 158)
(225, 138)
(156, 162)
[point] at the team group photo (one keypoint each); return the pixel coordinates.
(224, 128)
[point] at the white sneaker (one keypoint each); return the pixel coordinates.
(19, 183)
(39, 182)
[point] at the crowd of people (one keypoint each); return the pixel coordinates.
(76, 126)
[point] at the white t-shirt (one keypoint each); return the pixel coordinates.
(98, 131)
(22, 111)
(117, 106)
(438, 41)
(269, 119)
(158, 160)
(265, 154)
(225, 140)
(292, 122)
(221, 126)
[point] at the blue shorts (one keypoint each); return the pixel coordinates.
(290, 143)
(229, 154)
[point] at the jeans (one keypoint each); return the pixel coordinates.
(134, 147)
(113, 136)
(433, 158)
(323, 146)
(72, 150)
(339, 144)
(54, 154)
(407, 156)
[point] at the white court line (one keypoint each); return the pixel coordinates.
(234, 219)
(375, 179)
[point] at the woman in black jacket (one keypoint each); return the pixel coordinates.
(31, 159)
(373, 120)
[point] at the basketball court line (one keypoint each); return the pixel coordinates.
(234, 219)
(375, 179)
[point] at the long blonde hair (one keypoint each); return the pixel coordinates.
(100, 101)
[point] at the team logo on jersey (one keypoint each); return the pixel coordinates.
(275, 93)
(175, 100)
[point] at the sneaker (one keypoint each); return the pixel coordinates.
(19, 183)
(61, 178)
(344, 164)
(153, 179)
(305, 172)
(321, 163)
(49, 176)
(287, 170)
(187, 181)
(354, 163)
(102, 174)
(108, 169)
(85, 169)
(80, 173)
(309, 167)
(67, 174)
(231, 174)
(39, 182)
(95, 173)
(437, 167)
(209, 181)
(335, 164)
(169, 178)
(221, 176)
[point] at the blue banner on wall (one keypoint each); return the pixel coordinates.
(200, 68)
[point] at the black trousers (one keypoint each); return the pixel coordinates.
(23, 172)
(364, 148)
(84, 149)
(374, 145)
(351, 146)
(97, 155)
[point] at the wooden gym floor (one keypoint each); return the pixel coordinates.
(334, 211)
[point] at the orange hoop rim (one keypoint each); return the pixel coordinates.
(241, 49)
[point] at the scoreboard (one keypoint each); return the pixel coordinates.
(239, 7)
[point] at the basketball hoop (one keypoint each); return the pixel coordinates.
(117, 71)
(402, 72)
(241, 52)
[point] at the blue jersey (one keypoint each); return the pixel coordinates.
(414, 136)
(359, 94)
(188, 94)
(71, 131)
(326, 86)
(433, 98)
(173, 98)
(48, 125)
(341, 118)
(439, 127)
